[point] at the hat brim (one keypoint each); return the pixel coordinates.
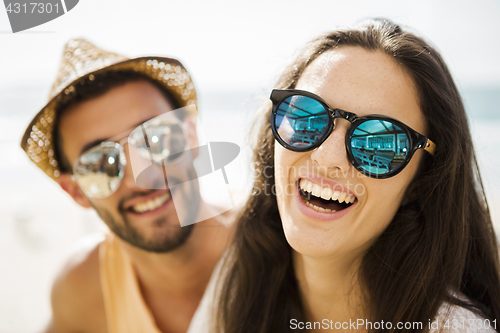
(168, 72)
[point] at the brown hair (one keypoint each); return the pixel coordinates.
(443, 232)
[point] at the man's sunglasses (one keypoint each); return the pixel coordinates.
(377, 146)
(99, 170)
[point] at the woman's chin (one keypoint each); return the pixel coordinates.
(311, 242)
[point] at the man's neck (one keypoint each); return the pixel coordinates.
(187, 269)
(172, 284)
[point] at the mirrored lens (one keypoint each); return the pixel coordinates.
(301, 121)
(100, 170)
(379, 146)
(159, 140)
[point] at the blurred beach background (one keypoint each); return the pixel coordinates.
(234, 52)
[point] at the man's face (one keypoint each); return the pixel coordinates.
(144, 218)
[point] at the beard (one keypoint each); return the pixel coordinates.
(166, 239)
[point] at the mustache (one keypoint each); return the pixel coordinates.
(158, 184)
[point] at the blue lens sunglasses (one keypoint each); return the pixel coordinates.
(377, 146)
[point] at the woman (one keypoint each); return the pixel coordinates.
(380, 218)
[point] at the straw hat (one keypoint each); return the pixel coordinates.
(82, 60)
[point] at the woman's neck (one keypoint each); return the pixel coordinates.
(329, 288)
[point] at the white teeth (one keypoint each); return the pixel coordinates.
(309, 186)
(320, 209)
(316, 190)
(348, 199)
(325, 193)
(159, 201)
(151, 204)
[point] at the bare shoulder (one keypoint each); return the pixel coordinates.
(77, 301)
(457, 319)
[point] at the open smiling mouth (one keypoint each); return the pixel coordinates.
(324, 199)
(152, 204)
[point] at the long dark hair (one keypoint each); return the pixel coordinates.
(440, 243)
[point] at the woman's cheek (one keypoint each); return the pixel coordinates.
(279, 176)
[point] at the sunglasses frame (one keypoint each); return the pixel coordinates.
(416, 140)
(118, 142)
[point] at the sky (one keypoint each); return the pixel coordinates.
(246, 44)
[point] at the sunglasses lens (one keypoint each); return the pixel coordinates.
(379, 147)
(159, 140)
(301, 122)
(100, 170)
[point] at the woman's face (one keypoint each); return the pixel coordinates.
(364, 82)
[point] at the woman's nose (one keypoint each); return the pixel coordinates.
(332, 152)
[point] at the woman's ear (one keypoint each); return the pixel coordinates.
(72, 188)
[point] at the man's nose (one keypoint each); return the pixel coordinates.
(332, 152)
(140, 172)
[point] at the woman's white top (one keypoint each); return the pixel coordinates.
(456, 319)
(450, 319)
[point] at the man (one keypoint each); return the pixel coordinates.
(149, 273)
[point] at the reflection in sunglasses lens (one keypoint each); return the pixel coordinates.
(379, 146)
(301, 121)
(99, 171)
(165, 138)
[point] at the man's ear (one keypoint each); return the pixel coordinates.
(72, 188)
(193, 141)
